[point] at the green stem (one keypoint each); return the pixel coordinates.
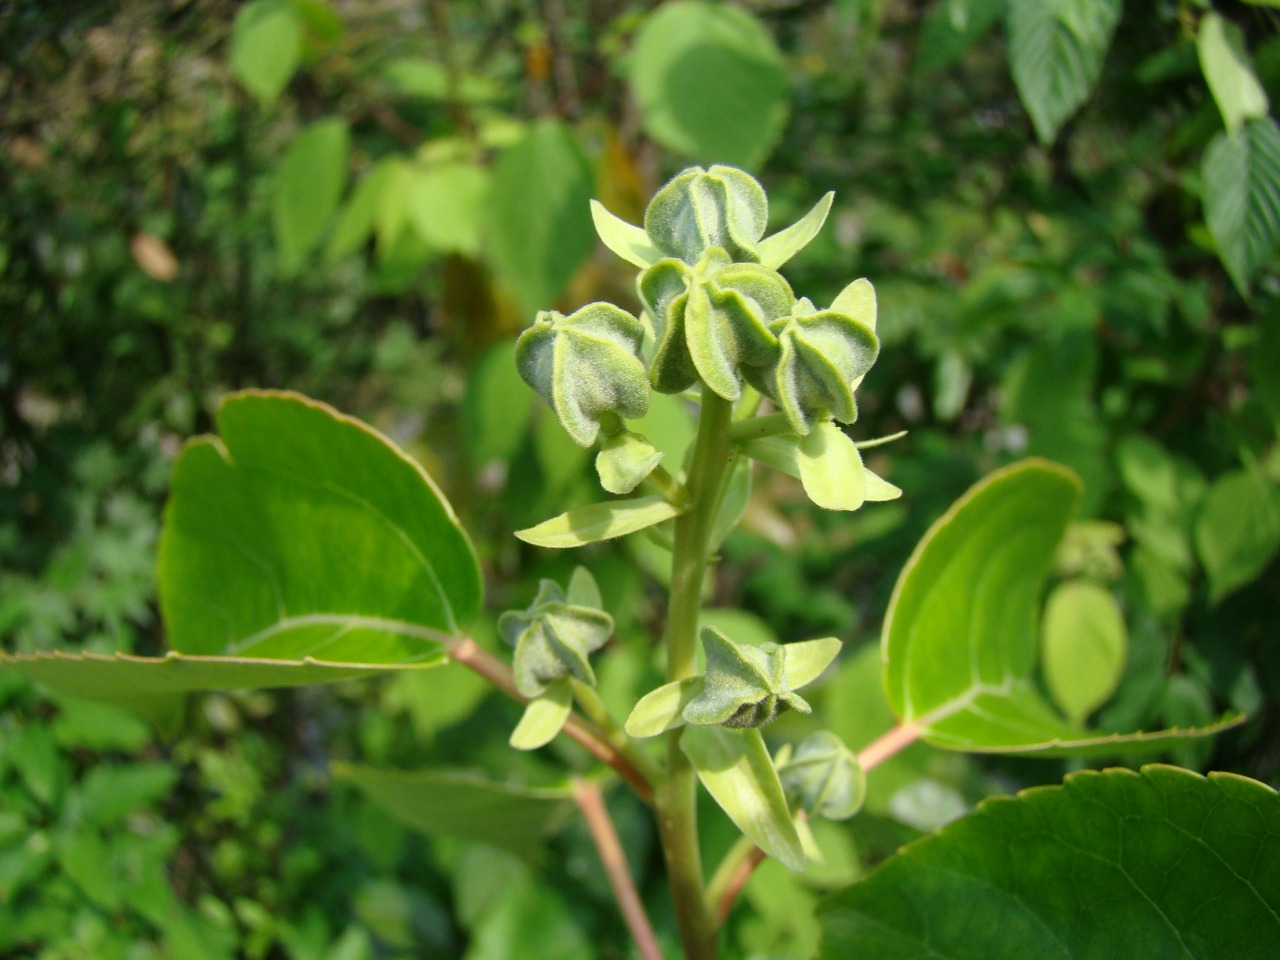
(595, 710)
(676, 798)
(734, 871)
(753, 428)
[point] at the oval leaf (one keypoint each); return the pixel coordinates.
(662, 709)
(710, 82)
(1084, 641)
(266, 47)
(543, 717)
(735, 767)
(457, 804)
(831, 468)
(304, 533)
(1241, 177)
(1165, 863)
(1238, 531)
(959, 640)
(806, 660)
(599, 521)
(1228, 72)
(307, 190)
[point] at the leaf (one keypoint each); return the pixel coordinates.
(150, 685)
(710, 82)
(733, 504)
(303, 532)
(785, 244)
(624, 460)
(599, 521)
(1238, 530)
(1242, 198)
(360, 213)
(735, 767)
(460, 804)
(807, 659)
(627, 240)
(307, 190)
(959, 640)
(539, 228)
(951, 28)
(266, 48)
(662, 709)
(446, 204)
(496, 407)
(831, 468)
(1084, 641)
(543, 717)
(1164, 863)
(1229, 72)
(1056, 48)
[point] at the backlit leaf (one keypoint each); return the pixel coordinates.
(307, 189)
(1229, 72)
(599, 521)
(1083, 639)
(266, 47)
(959, 641)
(710, 82)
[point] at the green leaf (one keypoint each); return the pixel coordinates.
(807, 659)
(302, 532)
(359, 214)
(151, 685)
(307, 190)
(1229, 72)
(735, 767)
(496, 407)
(733, 504)
(1238, 530)
(785, 244)
(710, 82)
(624, 460)
(1164, 863)
(951, 28)
(1084, 642)
(831, 468)
(539, 227)
(446, 204)
(662, 709)
(460, 804)
(1056, 48)
(543, 717)
(627, 240)
(959, 640)
(1242, 198)
(599, 521)
(266, 47)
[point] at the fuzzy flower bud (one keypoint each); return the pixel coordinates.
(557, 632)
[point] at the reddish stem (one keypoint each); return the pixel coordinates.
(884, 747)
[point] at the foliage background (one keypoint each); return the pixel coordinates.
(365, 201)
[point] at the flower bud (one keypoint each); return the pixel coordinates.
(586, 365)
(745, 684)
(823, 777)
(822, 356)
(712, 320)
(700, 209)
(554, 636)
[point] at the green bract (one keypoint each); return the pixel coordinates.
(556, 634)
(702, 209)
(822, 355)
(745, 685)
(711, 320)
(823, 777)
(586, 365)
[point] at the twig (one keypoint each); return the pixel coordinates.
(590, 801)
(474, 657)
(884, 747)
(732, 875)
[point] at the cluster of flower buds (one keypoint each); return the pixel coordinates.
(716, 312)
(823, 777)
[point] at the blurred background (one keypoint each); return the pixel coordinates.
(1070, 212)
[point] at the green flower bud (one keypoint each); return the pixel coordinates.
(745, 684)
(711, 320)
(822, 357)
(556, 634)
(823, 777)
(701, 209)
(586, 365)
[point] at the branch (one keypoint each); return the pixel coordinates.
(474, 657)
(732, 875)
(884, 747)
(591, 803)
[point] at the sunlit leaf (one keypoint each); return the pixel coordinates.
(1164, 863)
(785, 244)
(543, 717)
(959, 640)
(457, 804)
(627, 240)
(1229, 72)
(1083, 639)
(266, 47)
(831, 468)
(735, 767)
(599, 521)
(1056, 48)
(446, 204)
(307, 190)
(710, 82)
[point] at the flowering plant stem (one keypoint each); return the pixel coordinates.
(676, 797)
